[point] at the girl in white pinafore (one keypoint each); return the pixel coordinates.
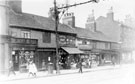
(32, 69)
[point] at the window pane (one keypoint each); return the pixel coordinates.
(46, 37)
(25, 34)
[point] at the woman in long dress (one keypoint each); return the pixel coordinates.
(32, 69)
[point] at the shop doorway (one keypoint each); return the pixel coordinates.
(15, 59)
(64, 61)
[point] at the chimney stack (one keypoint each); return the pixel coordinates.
(69, 19)
(110, 14)
(15, 5)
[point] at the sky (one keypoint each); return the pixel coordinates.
(121, 8)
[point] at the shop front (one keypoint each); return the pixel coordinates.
(23, 51)
(44, 57)
(69, 57)
(90, 59)
(127, 55)
(106, 57)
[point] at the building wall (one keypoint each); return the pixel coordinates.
(4, 38)
(16, 32)
(95, 44)
(38, 35)
(78, 41)
(109, 27)
(115, 46)
(100, 45)
(128, 37)
(66, 40)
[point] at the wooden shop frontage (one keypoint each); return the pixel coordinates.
(23, 50)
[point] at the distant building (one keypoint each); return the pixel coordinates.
(129, 21)
(118, 32)
(108, 26)
(90, 23)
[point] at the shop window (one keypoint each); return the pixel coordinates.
(46, 37)
(26, 56)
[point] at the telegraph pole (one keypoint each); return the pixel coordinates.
(56, 14)
(56, 32)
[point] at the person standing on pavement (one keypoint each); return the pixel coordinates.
(11, 68)
(113, 60)
(32, 69)
(80, 66)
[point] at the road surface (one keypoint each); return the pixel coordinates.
(122, 75)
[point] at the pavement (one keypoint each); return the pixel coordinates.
(21, 76)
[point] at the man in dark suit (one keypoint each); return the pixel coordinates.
(80, 66)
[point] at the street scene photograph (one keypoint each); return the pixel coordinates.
(67, 42)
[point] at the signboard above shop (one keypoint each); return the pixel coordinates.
(24, 41)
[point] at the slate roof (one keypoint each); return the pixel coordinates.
(22, 20)
(50, 24)
(84, 33)
(36, 22)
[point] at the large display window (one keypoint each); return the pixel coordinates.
(25, 58)
(21, 59)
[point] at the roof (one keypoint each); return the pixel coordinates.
(97, 35)
(22, 20)
(50, 24)
(36, 22)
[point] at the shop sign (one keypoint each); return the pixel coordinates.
(24, 41)
(84, 56)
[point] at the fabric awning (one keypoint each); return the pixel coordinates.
(72, 50)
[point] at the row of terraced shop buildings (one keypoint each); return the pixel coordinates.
(32, 37)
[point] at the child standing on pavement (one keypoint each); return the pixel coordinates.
(11, 68)
(32, 69)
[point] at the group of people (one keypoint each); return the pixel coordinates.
(32, 69)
